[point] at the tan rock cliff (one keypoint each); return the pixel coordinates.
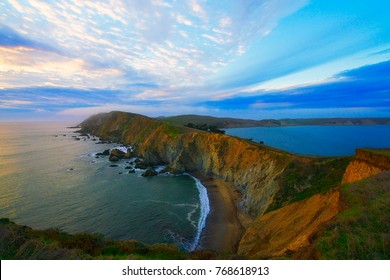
(368, 162)
(288, 228)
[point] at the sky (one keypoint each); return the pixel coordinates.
(67, 60)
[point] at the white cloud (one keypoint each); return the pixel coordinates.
(13, 104)
(181, 19)
(214, 39)
(197, 9)
(225, 22)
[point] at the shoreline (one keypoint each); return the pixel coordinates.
(224, 224)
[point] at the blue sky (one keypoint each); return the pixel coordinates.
(248, 59)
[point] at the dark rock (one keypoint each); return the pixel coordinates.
(128, 167)
(132, 170)
(113, 165)
(141, 165)
(117, 153)
(120, 173)
(105, 153)
(113, 158)
(129, 153)
(77, 139)
(149, 172)
(137, 160)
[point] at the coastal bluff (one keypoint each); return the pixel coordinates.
(367, 162)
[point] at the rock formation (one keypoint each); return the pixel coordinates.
(288, 228)
(368, 162)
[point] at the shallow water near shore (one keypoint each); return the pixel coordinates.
(48, 179)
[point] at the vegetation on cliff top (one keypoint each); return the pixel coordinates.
(303, 178)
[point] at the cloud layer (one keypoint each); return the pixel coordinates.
(165, 57)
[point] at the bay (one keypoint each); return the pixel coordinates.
(318, 140)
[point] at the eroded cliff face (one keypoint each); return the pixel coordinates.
(288, 229)
(250, 167)
(367, 163)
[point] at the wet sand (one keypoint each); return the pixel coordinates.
(223, 229)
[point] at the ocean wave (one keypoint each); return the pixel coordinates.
(204, 211)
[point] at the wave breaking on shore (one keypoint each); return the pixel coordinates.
(204, 211)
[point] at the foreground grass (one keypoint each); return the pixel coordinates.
(21, 242)
(362, 229)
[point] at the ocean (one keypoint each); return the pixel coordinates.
(48, 179)
(318, 140)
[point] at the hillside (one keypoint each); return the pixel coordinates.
(235, 123)
(218, 122)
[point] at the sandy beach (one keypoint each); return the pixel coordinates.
(223, 228)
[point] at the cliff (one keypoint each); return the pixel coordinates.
(367, 162)
(289, 228)
(258, 171)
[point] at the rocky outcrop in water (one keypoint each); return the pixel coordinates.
(149, 172)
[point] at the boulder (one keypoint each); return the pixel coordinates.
(104, 153)
(113, 158)
(129, 153)
(116, 155)
(132, 170)
(149, 172)
(142, 165)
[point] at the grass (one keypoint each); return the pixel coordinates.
(172, 130)
(383, 152)
(301, 180)
(362, 229)
(21, 242)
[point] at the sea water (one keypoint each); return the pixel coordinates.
(48, 179)
(318, 140)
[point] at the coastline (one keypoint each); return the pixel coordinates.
(224, 225)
